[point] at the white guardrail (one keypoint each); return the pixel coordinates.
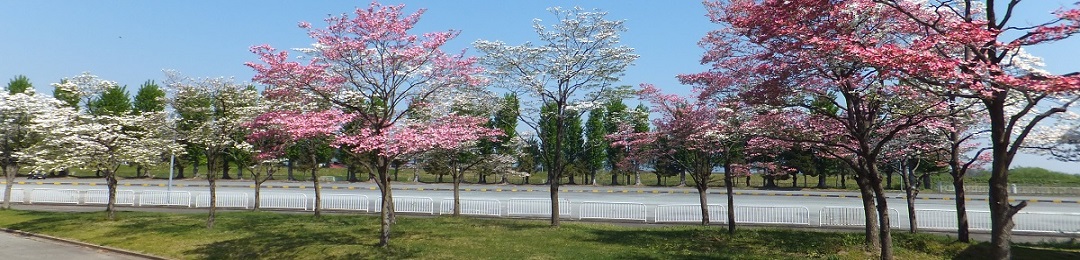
(283, 201)
(930, 219)
(345, 202)
(612, 210)
(689, 213)
(535, 207)
(772, 215)
(852, 216)
(164, 198)
(123, 197)
(479, 207)
(65, 196)
(223, 200)
(17, 195)
(409, 205)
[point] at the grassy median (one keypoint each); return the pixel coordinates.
(269, 235)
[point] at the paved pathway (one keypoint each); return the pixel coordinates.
(19, 247)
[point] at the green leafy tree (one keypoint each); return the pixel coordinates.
(149, 98)
(639, 119)
(614, 115)
(595, 152)
(19, 84)
(114, 101)
(574, 148)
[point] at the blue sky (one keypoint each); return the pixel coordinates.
(133, 41)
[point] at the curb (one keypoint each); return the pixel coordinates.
(84, 244)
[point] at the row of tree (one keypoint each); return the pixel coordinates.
(792, 86)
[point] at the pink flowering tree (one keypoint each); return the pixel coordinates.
(306, 131)
(697, 134)
(967, 48)
(769, 54)
(368, 66)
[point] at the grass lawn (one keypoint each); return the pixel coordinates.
(268, 235)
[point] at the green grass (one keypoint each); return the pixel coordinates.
(251, 235)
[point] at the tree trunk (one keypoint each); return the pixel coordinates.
(1001, 212)
(179, 171)
(637, 178)
(682, 178)
(557, 167)
(795, 180)
(888, 180)
(614, 177)
(239, 169)
(821, 180)
(729, 179)
(592, 178)
(457, 191)
(290, 170)
(703, 200)
(885, 230)
(961, 210)
(194, 167)
(386, 217)
(211, 178)
(908, 179)
(870, 214)
(225, 168)
(843, 179)
(258, 188)
(318, 188)
(9, 174)
(110, 207)
(416, 174)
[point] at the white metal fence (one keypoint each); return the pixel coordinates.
(345, 202)
(944, 219)
(409, 205)
(535, 207)
(17, 195)
(851, 216)
(772, 215)
(223, 200)
(1066, 223)
(64, 196)
(689, 213)
(123, 197)
(612, 210)
(479, 207)
(283, 201)
(164, 198)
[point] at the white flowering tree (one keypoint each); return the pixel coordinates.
(573, 67)
(222, 131)
(100, 142)
(17, 132)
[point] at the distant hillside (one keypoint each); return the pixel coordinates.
(1030, 175)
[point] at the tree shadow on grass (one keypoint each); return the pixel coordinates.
(1019, 252)
(707, 243)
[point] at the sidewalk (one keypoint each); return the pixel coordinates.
(23, 247)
